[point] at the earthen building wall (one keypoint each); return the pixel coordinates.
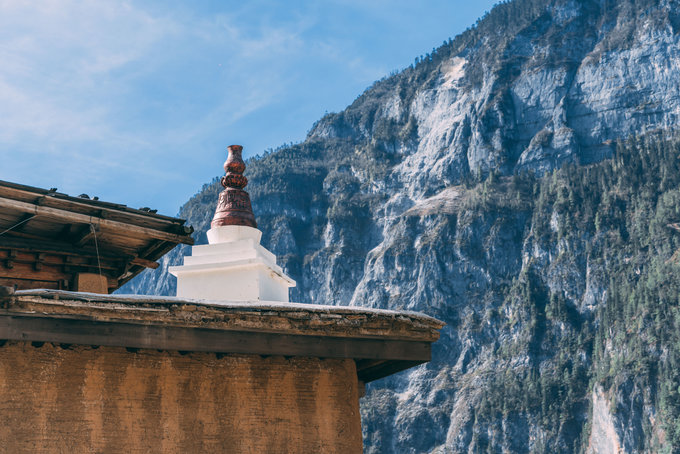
(73, 399)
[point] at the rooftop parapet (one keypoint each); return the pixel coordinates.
(381, 342)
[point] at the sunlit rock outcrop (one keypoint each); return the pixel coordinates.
(434, 191)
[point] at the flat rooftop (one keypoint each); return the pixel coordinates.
(381, 342)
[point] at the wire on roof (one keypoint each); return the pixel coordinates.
(96, 247)
(17, 224)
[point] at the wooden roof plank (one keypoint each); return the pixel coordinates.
(71, 217)
(51, 247)
(29, 192)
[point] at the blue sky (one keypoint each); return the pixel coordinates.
(137, 102)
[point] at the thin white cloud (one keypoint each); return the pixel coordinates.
(89, 89)
(56, 56)
(64, 62)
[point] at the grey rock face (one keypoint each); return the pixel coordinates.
(380, 207)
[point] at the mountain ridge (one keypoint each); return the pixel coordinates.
(483, 186)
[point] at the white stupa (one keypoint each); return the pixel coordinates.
(233, 266)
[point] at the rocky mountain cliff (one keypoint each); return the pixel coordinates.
(518, 183)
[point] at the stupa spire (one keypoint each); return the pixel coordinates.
(233, 206)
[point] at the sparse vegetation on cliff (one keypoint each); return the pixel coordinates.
(512, 184)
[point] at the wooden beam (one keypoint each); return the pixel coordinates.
(55, 248)
(67, 267)
(22, 270)
(27, 284)
(11, 256)
(71, 217)
(26, 327)
(24, 235)
(381, 369)
(86, 234)
(145, 263)
(39, 260)
(23, 222)
(65, 233)
(153, 249)
(68, 260)
(364, 364)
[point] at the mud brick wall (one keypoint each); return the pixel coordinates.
(77, 399)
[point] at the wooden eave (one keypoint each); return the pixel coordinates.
(380, 342)
(59, 235)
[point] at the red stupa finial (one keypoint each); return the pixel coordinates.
(233, 207)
